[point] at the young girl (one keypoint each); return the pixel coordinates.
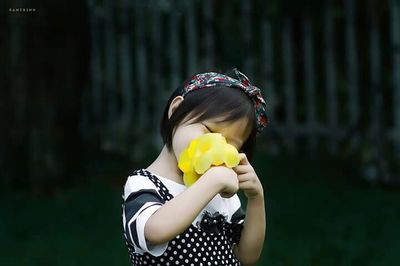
(167, 223)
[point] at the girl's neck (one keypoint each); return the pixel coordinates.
(166, 166)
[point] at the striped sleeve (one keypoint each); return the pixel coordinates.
(141, 200)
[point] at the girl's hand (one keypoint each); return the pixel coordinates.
(248, 179)
(225, 178)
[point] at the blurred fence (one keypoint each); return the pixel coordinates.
(330, 72)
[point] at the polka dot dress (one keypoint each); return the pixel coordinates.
(195, 246)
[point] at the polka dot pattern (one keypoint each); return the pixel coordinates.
(194, 246)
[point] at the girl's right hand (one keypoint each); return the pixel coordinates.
(225, 179)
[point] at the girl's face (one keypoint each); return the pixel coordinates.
(235, 133)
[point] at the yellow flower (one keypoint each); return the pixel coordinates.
(203, 152)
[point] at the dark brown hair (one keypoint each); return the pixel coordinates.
(231, 104)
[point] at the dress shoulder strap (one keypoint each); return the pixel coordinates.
(161, 188)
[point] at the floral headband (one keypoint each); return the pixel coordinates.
(212, 79)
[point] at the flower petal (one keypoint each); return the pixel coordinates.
(189, 178)
(231, 156)
(203, 162)
(192, 147)
(184, 162)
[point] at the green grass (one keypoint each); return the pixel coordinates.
(316, 215)
(77, 227)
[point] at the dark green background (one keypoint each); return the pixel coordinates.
(317, 214)
(60, 191)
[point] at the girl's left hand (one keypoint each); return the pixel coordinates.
(248, 179)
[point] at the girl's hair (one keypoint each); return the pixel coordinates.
(231, 104)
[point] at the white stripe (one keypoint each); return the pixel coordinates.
(136, 183)
(123, 217)
(155, 250)
(147, 204)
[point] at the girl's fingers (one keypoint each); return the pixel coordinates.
(244, 178)
(242, 169)
(243, 159)
(246, 184)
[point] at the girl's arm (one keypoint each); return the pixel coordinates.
(175, 216)
(248, 250)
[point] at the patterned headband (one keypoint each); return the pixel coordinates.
(212, 79)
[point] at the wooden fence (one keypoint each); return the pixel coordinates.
(330, 73)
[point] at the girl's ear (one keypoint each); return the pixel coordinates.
(174, 104)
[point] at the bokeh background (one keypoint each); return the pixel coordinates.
(83, 85)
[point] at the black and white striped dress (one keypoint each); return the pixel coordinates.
(209, 240)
